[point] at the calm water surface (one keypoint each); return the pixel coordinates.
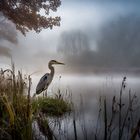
(86, 91)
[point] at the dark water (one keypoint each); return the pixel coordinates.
(86, 92)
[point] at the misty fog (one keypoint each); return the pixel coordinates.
(93, 41)
(99, 42)
(117, 46)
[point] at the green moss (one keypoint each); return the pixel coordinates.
(51, 106)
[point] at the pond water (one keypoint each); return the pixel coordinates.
(86, 92)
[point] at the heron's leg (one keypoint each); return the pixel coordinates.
(34, 95)
(43, 94)
(46, 93)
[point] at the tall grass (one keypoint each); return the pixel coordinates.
(119, 117)
(15, 104)
(18, 110)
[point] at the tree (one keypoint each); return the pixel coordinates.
(73, 43)
(118, 43)
(25, 14)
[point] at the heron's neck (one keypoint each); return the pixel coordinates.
(51, 68)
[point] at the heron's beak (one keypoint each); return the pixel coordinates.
(60, 63)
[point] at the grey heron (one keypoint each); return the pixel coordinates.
(47, 78)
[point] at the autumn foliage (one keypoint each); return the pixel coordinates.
(27, 16)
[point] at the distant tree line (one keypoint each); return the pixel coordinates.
(117, 45)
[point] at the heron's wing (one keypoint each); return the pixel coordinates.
(42, 83)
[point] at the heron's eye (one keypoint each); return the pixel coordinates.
(45, 77)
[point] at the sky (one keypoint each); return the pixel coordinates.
(93, 36)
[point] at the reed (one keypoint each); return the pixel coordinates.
(18, 110)
(121, 112)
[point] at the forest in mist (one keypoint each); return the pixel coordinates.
(117, 46)
(114, 46)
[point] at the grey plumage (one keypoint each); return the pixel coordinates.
(47, 78)
(43, 83)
